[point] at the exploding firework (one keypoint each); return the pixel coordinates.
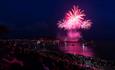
(73, 22)
(74, 19)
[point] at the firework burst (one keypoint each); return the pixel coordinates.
(73, 22)
(74, 19)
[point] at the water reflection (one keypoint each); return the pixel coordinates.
(77, 48)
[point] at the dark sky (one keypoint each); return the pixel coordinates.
(41, 16)
(33, 18)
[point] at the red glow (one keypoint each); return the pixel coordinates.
(74, 34)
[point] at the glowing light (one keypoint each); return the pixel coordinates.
(73, 22)
(86, 24)
(74, 19)
(74, 35)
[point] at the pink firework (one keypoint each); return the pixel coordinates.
(74, 19)
(73, 22)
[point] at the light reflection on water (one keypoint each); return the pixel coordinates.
(77, 49)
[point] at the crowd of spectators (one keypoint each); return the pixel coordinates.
(37, 55)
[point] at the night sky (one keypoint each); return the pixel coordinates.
(36, 18)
